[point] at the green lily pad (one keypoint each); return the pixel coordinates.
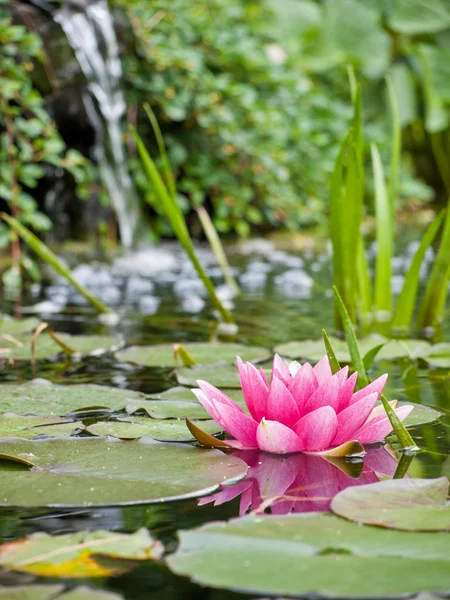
(310, 554)
(55, 592)
(407, 504)
(313, 350)
(40, 397)
(420, 415)
(32, 427)
(222, 377)
(13, 327)
(104, 472)
(438, 355)
(79, 554)
(46, 347)
(162, 355)
(167, 430)
(179, 403)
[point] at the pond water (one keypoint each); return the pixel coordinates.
(286, 296)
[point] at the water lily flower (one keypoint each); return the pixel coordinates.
(304, 409)
(300, 483)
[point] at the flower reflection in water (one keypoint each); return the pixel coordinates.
(300, 482)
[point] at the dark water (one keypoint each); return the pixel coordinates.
(273, 309)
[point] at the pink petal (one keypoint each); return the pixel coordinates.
(226, 493)
(353, 417)
(379, 410)
(281, 406)
(327, 394)
(280, 370)
(277, 438)
(254, 388)
(207, 404)
(264, 377)
(375, 386)
(379, 427)
(303, 385)
(380, 461)
(294, 367)
(317, 429)
(346, 391)
(342, 375)
(212, 393)
(322, 370)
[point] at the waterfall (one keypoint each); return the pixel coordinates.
(91, 34)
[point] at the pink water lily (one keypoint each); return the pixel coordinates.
(304, 409)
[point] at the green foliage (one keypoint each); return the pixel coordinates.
(251, 138)
(28, 137)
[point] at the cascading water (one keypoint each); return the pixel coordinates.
(91, 34)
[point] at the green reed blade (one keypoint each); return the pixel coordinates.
(358, 364)
(217, 247)
(364, 283)
(396, 146)
(173, 212)
(433, 303)
(167, 170)
(384, 236)
(371, 354)
(334, 363)
(51, 259)
(406, 300)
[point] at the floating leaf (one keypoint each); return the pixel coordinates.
(13, 327)
(46, 347)
(79, 554)
(40, 397)
(32, 427)
(420, 415)
(104, 472)
(52, 592)
(133, 428)
(312, 554)
(221, 377)
(162, 355)
(408, 504)
(438, 355)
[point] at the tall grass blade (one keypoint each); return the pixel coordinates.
(396, 146)
(217, 247)
(170, 208)
(358, 364)
(433, 303)
(384, 236)
(334, 363)
(364, 283)
(405, 303)
(51, 259)
(167, 170)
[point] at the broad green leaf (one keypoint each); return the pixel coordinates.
(40, 397)
(421, 414)
(32, 427)
(221, 377)
(304, 554)
(79, 554)
(419, 16)
(408, 504)
(405, 302)
(55, 592)
(46, 347)
(164, 430)
(437, 355)
(108, 472)
(13, 327)
(162, 355)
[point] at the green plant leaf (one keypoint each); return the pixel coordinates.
(164, 430)
(408, 504)
(32, 427)
(221, 377)
(301, 554)
(334, 363)
(108, 472)
(55, 592)
(419, 16)
(79, 554)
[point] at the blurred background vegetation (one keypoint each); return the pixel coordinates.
(252, 98)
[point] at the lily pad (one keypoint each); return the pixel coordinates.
(32, 427)
(46, 347)
(105, 472)
(222, 377)
(79, 554)
(310, 554)
(408, 504)
(313, 350)
(40, 397)
(162, 355)
(55, 592)
(420, 415)
(13, 327)
(167, 430)
(178, 402)
(438, 355)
